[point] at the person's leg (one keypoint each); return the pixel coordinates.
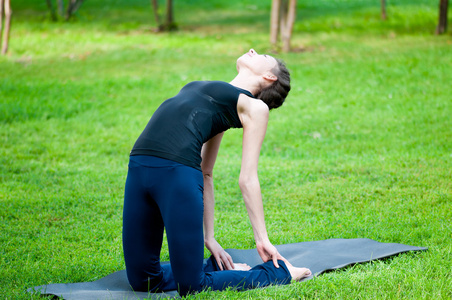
(259, 276)
(143, 232)
(181, 206)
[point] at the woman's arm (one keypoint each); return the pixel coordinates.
(254, 117)
(209, 155)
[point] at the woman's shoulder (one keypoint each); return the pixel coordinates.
(251, 105)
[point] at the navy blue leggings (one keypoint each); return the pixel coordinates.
(160, 194)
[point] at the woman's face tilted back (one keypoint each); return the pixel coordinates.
(258, 64)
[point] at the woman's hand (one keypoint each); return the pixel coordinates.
(269, 252)
(224, 260)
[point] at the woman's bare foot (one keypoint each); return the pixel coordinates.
(298, 273)
(241, 267)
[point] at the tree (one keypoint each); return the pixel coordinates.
(5, 9)
(442, 22)
(383, 10)
(169, 23)
(72, 7)
(281, 22)
(53, 14)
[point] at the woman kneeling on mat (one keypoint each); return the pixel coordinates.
(169, 184)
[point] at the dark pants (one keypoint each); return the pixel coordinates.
(159, 194)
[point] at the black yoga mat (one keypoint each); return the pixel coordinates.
(319, 256)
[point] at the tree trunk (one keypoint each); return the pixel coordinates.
(287, 22)
(69, 9)
(442, 22)
(61, 7)
(72, 7)
(169, 24)
(169, 11)
(1, 20)
(155, 7)
(8, 13)
(383, 10)
(53, 15)
(274, 22)
(282, 20)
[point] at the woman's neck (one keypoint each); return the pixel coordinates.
(247, 82)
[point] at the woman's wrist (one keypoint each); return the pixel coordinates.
(261, 236)
(261, 239)
(209, 240)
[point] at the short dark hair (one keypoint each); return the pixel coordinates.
(275, 94)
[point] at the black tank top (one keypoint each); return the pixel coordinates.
(182, 124)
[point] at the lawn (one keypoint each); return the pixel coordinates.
(361, 149)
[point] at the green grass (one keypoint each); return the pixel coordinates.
(361, 149)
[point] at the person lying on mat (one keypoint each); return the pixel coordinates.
(169, 184)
